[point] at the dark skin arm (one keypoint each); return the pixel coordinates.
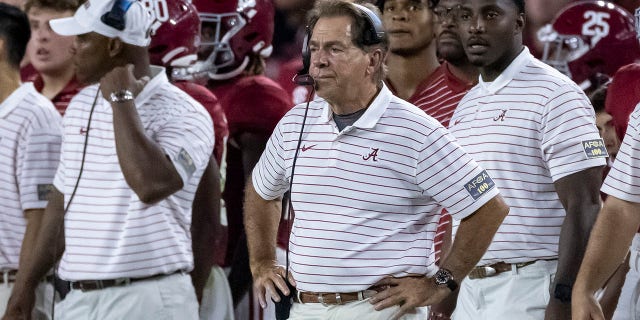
(472, 240)
(39, 259)
(204, 223)
(580, 197)
(261, 218)
(146, 168)
(34, 220)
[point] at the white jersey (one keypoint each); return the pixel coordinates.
(529, 128)
(367, 199)
(109, 232)
(30, 134)
(623, 181)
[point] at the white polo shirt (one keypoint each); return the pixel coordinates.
(109, 232)
(623, 181)
(367, 199)
(528, 128)
(30, 135)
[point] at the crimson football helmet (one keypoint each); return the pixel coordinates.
(231, 31)
(175, 35)
(590, 37)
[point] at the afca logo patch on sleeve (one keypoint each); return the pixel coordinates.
(594, 148)
(185, 161)
(479, 185)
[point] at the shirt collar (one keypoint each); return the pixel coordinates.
(14, 98)
(371, 117)
(507, 74)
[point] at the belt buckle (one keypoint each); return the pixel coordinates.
(321, 300)
(97, 285)
(482, 272)
(122, 282)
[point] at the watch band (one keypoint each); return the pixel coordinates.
(121, 96)
(562, 292)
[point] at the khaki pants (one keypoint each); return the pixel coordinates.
(44, 297)
(353, 310)
(165, 298)
(521, 294)
(629, 302)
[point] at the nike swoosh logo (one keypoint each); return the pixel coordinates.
(305, 148)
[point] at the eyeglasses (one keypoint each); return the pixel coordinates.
(443, 13)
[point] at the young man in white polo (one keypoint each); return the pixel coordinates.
(133, 152)
(534, 131)
(30, 136)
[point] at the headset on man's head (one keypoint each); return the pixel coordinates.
(115, 17)
(373, 34)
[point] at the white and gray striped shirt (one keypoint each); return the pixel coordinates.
(527, 130)
(109, 232)
(367, 200)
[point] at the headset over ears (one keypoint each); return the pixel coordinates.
(115, 17)
(373, 34)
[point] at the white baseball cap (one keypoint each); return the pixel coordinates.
(101, 16)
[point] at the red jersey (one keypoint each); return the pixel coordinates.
(623, 94)
(253, 104)
(438, 95)
(62, 99)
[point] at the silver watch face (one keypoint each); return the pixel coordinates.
(442, 277)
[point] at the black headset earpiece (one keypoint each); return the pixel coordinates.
(373, 34)
(302, 77)
(115, 17)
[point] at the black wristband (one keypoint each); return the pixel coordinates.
(563, 292)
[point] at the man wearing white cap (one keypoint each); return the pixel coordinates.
(134, 149)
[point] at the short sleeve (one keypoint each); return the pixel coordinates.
(451, 176)
(570, 139)
(188, 141)
(269, 174)
(39, 156)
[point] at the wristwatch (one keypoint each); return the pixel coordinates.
(121, 96)
(444, 278)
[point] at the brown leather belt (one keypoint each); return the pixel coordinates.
(496, 269)
(90, 285)
(336, 298)
(10, 274)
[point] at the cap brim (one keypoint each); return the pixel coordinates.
(68, 27)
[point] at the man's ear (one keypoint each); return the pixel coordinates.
(520, 21)
(376, 57)
(115, 47)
